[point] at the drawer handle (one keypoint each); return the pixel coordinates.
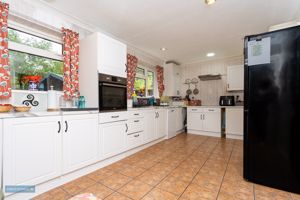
(211, 110)
(194, 109)
(136, 121)
(137, 135)
(136, 114)
(117, 116)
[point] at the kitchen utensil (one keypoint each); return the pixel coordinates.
(5, 108)
(22, 108)
(196, 91)
(194, 81)
(189, 91)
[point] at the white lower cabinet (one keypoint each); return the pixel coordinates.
(32, 150)
(179, 119)
(161, 123)
(149, 126)
(234, 125)
(80, 141)
(112, 138)
(204, 121)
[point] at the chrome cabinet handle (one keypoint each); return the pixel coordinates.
(137, 135)
(194, 109)
(136, 121)
(211, 110)
(126, 127)
(203, 116)
(117, 116)
(67, 127)
(136, 114)
(59, 126)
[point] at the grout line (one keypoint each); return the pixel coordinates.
(225, 171)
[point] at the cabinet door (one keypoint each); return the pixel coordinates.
(235, 78)
(80, 141)
(31, 150)
(212, 120)
(112, 56)
(161, 123)
(194, 121)
(179, 119)
(150, 130)
(234, 121)
(112, 138)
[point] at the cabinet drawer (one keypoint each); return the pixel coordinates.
(135, 125)
(195, 109)
(135, 114)
(134, 140)
(112, 117)
(212, 110)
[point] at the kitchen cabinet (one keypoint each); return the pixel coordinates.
(149, 126)
(99, 54)
(80, 141)
(211, 119)
(234, 123)
(134, 132)
(235, 78)
(32, 150)
(172, 128)
(161, 123)
(204, 121)
(172, 79)
(112, 138)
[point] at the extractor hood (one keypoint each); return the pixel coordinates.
(210, 77)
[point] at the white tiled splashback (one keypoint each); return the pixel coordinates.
(210, 91)
(36, 99)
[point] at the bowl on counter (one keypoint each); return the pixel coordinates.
(5, 108)
(22, 108)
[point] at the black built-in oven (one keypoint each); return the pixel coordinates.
(112, 93)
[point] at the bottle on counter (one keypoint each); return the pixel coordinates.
(81, 102)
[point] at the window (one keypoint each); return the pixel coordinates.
(144, 82)
(36, 63)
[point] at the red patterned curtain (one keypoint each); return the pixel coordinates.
(71, 63)
(160, 80)
(131, 71)
(5, 79)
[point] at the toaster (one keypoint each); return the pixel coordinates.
(227, 101)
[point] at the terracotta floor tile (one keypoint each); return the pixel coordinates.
(195, 192)
(115, 181)
(158, 194)
(188, 167)
(173, 185)
(100, 174)
(117, 196)
(99, 190)
(132, 171)
(151, 178)
(135, 189)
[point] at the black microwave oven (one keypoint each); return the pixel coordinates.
(227, 101)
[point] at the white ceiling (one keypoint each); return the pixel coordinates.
(187, 28)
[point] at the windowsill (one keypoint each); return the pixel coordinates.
(32, 91)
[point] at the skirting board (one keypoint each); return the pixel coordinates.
(205, 133)
(44, 187)
(232, 136)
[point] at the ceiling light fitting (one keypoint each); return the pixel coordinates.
(210, 54)
(208, 2)
(163, 49)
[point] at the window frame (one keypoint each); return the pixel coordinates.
(146, 79)
(14, 46)
(40, 32)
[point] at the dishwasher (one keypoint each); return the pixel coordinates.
(171, 123)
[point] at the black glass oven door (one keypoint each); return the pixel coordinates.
(112, 97)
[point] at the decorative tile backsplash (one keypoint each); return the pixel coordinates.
(36, 99)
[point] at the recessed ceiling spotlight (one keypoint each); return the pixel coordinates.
(210, 54)
(163, 49)
(208, 2)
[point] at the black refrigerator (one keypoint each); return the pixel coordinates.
(272, 109)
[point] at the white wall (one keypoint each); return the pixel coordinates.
(210, 91)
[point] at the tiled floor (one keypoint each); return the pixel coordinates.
(188, 167)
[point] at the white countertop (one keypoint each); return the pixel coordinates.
(43, 113)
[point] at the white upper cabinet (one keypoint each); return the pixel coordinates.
(235, 78)
(32, 150)
(172, 79)
(80, 141)
(112, 56)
